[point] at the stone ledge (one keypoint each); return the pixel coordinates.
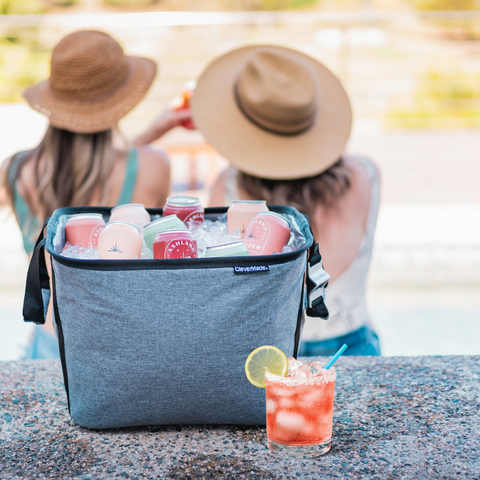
(395, 417)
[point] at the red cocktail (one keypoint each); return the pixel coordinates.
(300, 409)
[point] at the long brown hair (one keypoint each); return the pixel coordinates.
(305, 194)
(69, 169)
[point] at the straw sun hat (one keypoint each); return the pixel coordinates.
(92, 84)
(273, 112)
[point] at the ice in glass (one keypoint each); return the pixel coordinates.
(300, 409)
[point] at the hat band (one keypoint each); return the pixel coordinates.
(289, 127)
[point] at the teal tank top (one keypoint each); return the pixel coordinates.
(30, 225)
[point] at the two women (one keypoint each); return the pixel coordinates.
(281, 118)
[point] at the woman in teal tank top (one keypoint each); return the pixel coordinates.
(92, 85)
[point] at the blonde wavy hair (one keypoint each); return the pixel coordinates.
(69, 168)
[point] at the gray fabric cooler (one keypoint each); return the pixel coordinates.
(155, 342)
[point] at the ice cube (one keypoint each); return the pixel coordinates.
(315, 368)
(293, 365)
(291, 421)
(271, 406)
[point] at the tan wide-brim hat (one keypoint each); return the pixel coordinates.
(273, 112)
(92, 84)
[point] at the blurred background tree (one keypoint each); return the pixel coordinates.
(442, 100)
(464, 29)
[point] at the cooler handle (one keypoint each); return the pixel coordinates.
(37, 289)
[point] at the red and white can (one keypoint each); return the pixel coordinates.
(175, 244)
(83, 229)
(187, 209)
(266, 234)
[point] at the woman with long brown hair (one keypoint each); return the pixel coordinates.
(282, 119)
(82, 158)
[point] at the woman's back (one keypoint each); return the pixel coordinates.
(339, 229)
(139, 175)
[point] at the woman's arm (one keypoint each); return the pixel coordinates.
(164, 123)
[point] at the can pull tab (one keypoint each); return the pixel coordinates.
(317, 281)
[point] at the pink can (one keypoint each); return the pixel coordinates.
(266, 234)
(131, 213)
(175, 244)
(83, 229)
(242, 212)
(120, 241)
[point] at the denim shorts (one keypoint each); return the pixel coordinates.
(43, 345)
(363, 341)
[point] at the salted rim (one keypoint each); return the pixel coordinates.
(319, 379)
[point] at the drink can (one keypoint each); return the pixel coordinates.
(83, 229)
(134, 213)
(241, 213)
(234, 249)
(120, 241)
(188, 209)
(175, 244)
(171, 222)
(266, 234)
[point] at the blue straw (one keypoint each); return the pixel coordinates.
(335, 357)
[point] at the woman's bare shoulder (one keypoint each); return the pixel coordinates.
(362, 165)
(217, 191)
(153, 177)
(26, 182)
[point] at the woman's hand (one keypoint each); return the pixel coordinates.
(169, 119)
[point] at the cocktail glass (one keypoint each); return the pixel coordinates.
(300, 409)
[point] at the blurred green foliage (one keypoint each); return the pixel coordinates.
(442, 100)
(446, 5)
(24, 7)
(285, 4)
(23, 62)
(465, 29)
(215, 4)
(11, 7)
(130, 3)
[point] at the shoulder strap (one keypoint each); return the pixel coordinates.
(130, 178)
(37, 289)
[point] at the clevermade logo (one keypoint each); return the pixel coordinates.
(252, 269)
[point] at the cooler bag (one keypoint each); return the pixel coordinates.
(157, 342)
